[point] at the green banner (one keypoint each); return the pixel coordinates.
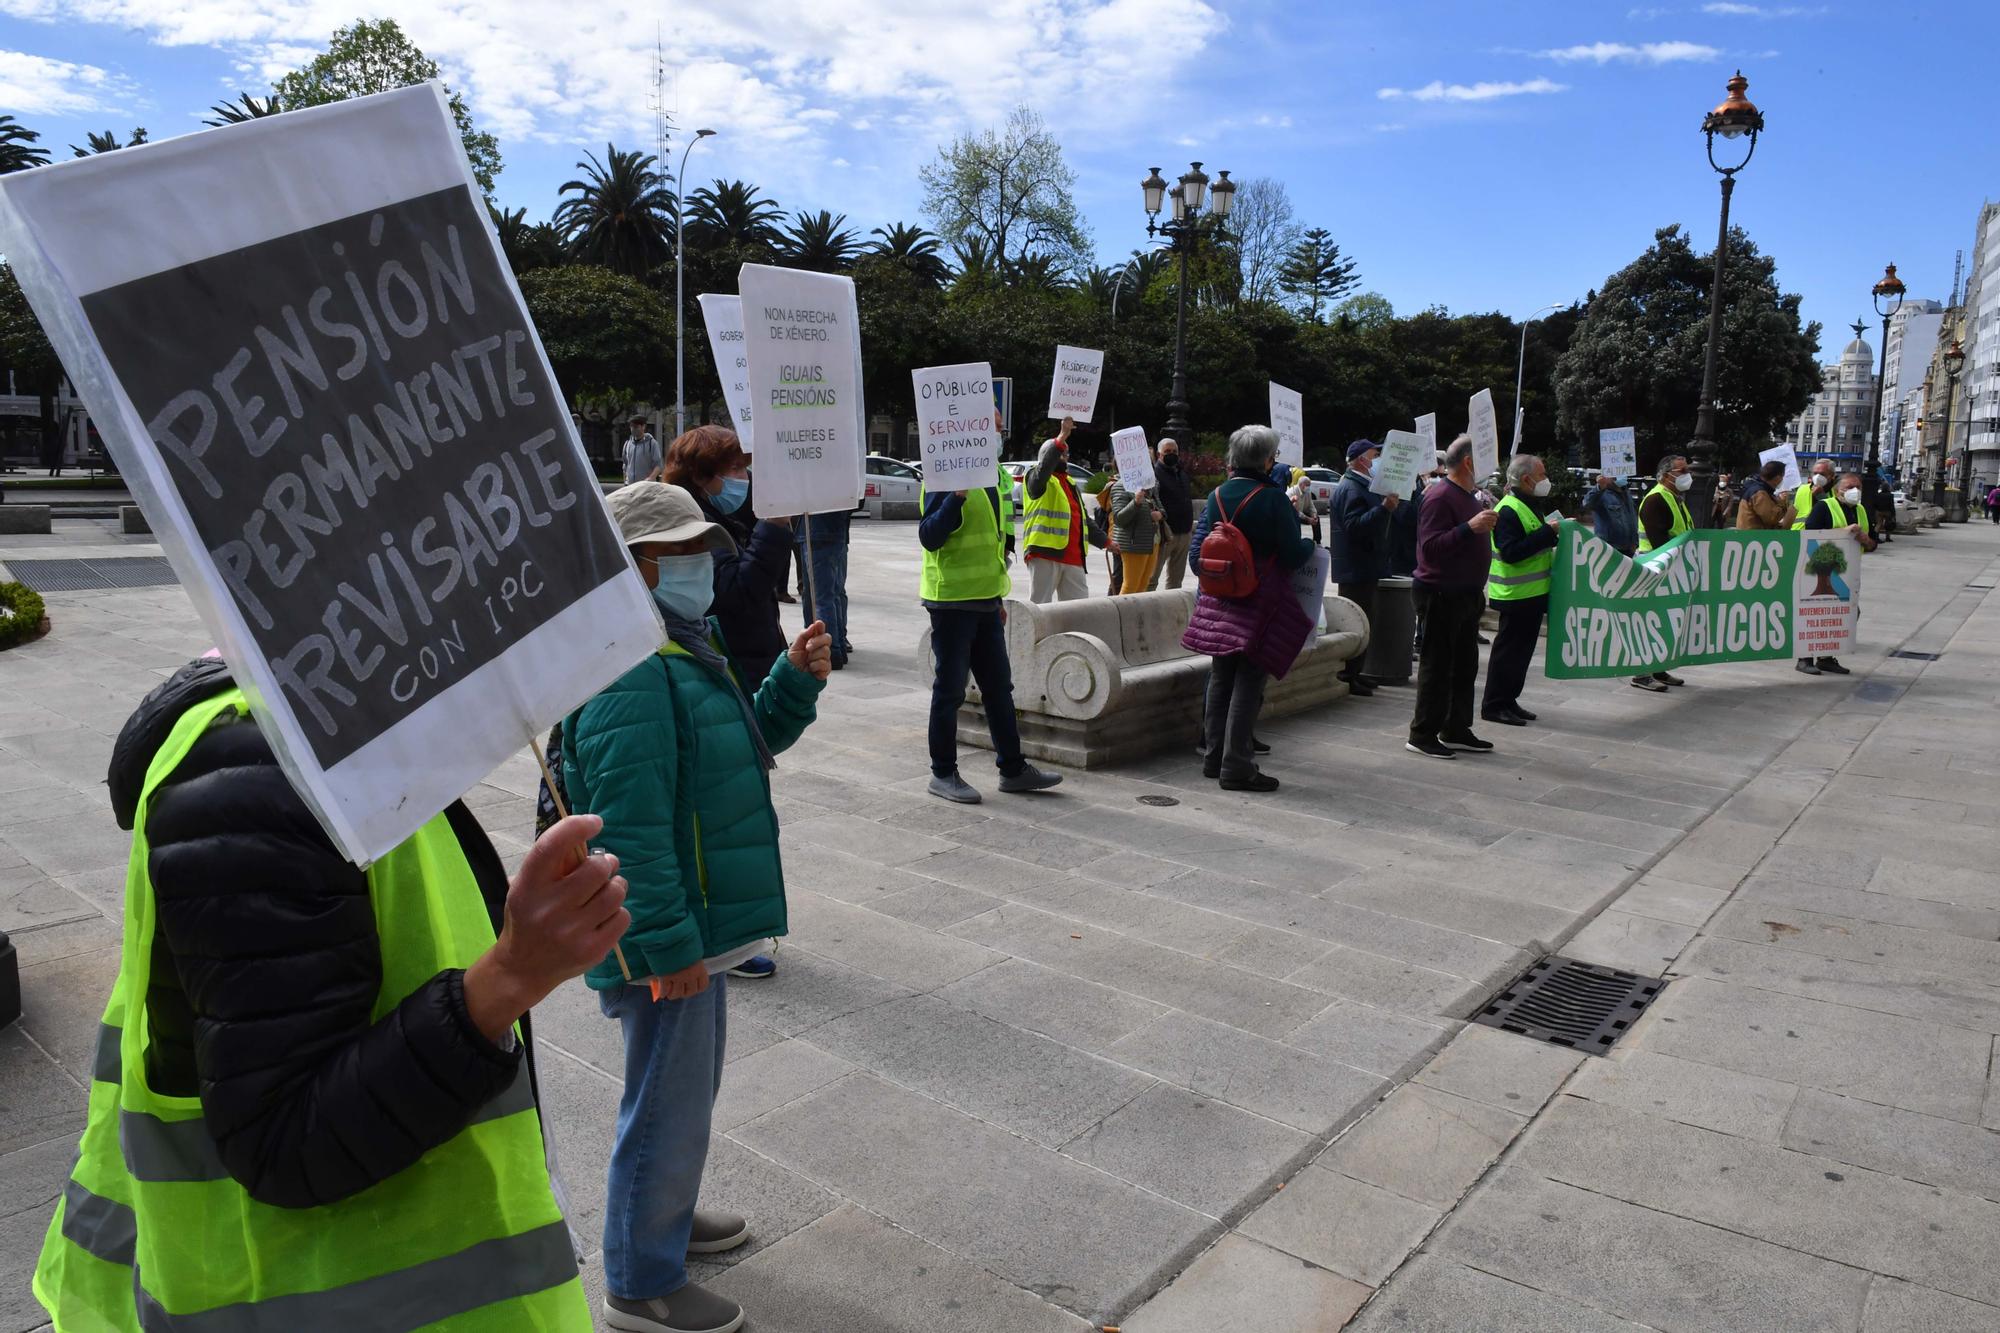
(1703, 597)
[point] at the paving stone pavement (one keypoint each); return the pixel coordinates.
(1068, 1060)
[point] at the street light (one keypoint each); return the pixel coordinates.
(1520, 369)
(680, 264)
(1183, 233)
(1955, 510)
(1888, 300)
(1735, 118)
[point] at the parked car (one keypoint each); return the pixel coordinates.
(890, 488)
(1321, 481)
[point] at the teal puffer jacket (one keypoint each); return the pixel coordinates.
(664, 756)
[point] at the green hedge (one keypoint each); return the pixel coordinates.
(21, 613)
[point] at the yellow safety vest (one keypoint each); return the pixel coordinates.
(152, 1233)
(1839, 513)
(1046, 518)
(1802, 503)
(1682, 523)
(971, 566)
(1519, 580)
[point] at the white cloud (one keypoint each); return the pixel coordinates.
(1438, 91)
(1646, 53)
(32, 85)
(1388, 128)
(1729, 8)
(1647, 14)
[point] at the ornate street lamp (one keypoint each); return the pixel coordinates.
(1888, 300)
(1183, 232)
(1955, 510)
(1736, 118)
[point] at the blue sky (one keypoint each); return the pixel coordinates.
(1477, 156)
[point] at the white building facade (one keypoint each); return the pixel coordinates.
(1981, 379)
(1838, 421)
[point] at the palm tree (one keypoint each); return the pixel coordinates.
(245, 107)
(618, 214)
(527, 245)
(973, 265)
(914, 249)
(733, 211)
(17, 147)
(1036, 273)
(106, 141)
(820, 241)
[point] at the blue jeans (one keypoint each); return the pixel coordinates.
(829, 577)
(673, 1069)
(972, 643)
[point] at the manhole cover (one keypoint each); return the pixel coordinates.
(1567, 1003)
(1916, 656)
(1158, 800)
(134, 571)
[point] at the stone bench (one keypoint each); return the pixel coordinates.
(132, 519)
(1104, 680)
(24, 520)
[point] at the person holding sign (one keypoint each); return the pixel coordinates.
(750, 572)
(1663, 516)
(1610, 511)
(1176, 516)
(1843, 512)
(1524, 551)
(1052, 524)
(676, 756)
(1763, 507)
(1135, 531)
(1358, 539)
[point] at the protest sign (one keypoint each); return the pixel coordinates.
(1309, 585)
(1427, 426)
(1073, 390)
(1135, 467)
(1484, 428)
(802, 339)
(1288, 418)
(724, 317)
(309, 359)
(1403, 459)
(956, 424)
(1618, 451)
(1786, 454)
(1706, 596)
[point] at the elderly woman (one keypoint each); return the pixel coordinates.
(1253, 637)
(675, 756)
(709, 463)
(1135, 535)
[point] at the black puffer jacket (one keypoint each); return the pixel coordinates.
(266, 965)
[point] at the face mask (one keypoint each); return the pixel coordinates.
(1821, 481)
(1541, 487)
(1683, 481)
(735, 490)
(1170, 461)
(687, 585)
(1852, 495)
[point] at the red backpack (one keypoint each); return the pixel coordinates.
(1226, 567)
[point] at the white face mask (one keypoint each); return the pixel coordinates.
(1821, 481)
(1542, 487)
(1683, 481)
(1852, 495)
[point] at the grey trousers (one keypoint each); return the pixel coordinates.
(1235, 695)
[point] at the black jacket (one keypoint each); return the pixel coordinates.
(266, 965)
(1176, 500)
(1358, 532)
(1403, 532)
(747, 583)
(1514, 543)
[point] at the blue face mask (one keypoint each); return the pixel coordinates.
(686, 585)
(735, 490)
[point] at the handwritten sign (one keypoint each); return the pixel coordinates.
(724, 317)
(802, 338)
(329, 401)
(1618, 451)
(1135, 466)
(1403, 459)
(1484, 428)
(956, 423)
(1786, 454)
(1288, 419)
(1073, 390)
(1427, 426)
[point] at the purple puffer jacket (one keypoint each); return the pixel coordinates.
(1269, 626)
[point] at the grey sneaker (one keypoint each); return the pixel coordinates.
(955, 788)
(692, 1309)
(715, 1233)
(1031, 779)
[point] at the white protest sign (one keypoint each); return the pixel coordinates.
(1288, 418)
(1484, 428)
(1618, 451)
(1403, 459)
(1135, 467)
(311, 363)
(1073, 390)
(1427, 426)
(802, 338)
(724, 317)
(1786, 454)
(955, 422)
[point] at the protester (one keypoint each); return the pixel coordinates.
(642, 453)
(1524, 551)
(709, 463)
(1663, 516)
(1238, 634)
(1763, 508)
(309, 1105)
(1611, 516)
(1174, 495)
(676, 756)
(1403, 531)
(1453, 554)
(1303, 500)
(1838, 509)
(828, 586)
(1722, 511)
(1052, 524)
(1884, 500)
(1804, 498)
(1097, 531)
(1420, 595)
(1135, 534)
(968, 538)
(1358, 540)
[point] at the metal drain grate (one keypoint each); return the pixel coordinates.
(133, 571)
(1916, 656)
(1567, 1003)
(1158, 800)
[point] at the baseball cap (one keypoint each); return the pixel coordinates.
(653, 511)
(1360, 447)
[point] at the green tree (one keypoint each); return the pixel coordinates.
(616, 214)
(374, 57)
(27, 353)
(527, 245)
(17, 147)
(607, 334)
(1010, 190)
(821, 242)
(734, 213)
(1368, 310)
(1636, 357)
(1315, 273)
(915, 249)
(245, 107)
(106, 141)
(1266, 234)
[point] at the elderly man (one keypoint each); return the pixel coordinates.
(1175, 499)
(1817, 485)
(1524, 551)
(1663, 516)
(1358, 539)
(1838, 509)
(1609, 510)
(1052, 525)
(1453, 557)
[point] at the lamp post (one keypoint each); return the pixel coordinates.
(1520, 371)
(1888, 295)
(1735, 118)
(1183, 233)
(680, 265)
(1954, 508)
